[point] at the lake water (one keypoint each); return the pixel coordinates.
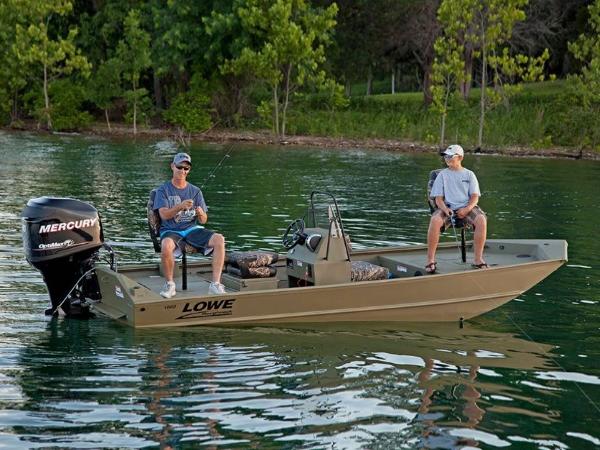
(525, 376)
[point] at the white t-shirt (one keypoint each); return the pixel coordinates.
(456, 186)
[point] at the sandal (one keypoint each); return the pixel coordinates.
(480, 266)
(431, 267)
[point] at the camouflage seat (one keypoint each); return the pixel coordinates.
(256, 264)
(365, 271)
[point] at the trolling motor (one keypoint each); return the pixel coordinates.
(61, 238)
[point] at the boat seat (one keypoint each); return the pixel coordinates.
(154, 230)
(256, 264)
(366, 271)
(459, 224)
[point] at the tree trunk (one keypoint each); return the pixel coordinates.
(348, 88)
(394, 80)
(370, 81)
(482, 97)
(427, 95)
(275, 111)
(134, 84)
(445, 113)
(47, 98)
(287, 98)
(14, 112)
(465, 85)
(158, 97)
(107, 121)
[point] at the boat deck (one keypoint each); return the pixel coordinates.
(402, 262)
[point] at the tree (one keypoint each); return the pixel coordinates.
(105, 86)
(35, 46)
(283, 45)
(133, 54)
(584, 88)
(189, 112)
(13, 72)
(483, 28)
(446, 75)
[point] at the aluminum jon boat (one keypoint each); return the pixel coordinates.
(318, 279)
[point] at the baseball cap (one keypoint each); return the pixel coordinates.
(454, 150)
(182, 157)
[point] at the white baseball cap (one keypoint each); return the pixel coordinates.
(454, 150)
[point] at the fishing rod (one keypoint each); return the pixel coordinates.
(212, 173)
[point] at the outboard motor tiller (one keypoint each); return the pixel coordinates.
(61, 238)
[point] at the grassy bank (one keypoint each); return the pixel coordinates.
(538, 117)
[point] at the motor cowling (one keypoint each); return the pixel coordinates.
(61, 238)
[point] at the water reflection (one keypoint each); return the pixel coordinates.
(241, 387)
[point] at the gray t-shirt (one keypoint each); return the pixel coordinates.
(456, 186)
(168, 196)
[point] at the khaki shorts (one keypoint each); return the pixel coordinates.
(468, 221)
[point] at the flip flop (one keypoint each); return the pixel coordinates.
(480, 266)
(431, 267)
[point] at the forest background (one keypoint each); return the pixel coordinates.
(486, 73)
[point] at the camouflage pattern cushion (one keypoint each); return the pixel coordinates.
(251, 259)
(365, 271)
(252, 272)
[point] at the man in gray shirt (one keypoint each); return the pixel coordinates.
(456, 192)
(181, 205)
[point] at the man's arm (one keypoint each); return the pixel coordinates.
(168, 213)
(201, 214)
(439, 201)
(464, 212)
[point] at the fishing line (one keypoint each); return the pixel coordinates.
(544, 353)
(212, 173)
(555, 362)
(452, 221)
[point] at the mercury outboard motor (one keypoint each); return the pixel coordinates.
(61, 238)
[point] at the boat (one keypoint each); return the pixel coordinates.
(318, 279)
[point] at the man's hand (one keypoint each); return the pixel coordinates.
(201, 214)
(463, 212)
(186, 204)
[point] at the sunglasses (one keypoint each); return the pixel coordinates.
(186, 168)
(449, 157)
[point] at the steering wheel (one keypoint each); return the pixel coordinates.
(293, 234)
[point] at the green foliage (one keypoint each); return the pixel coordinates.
(282, 43)
(67, 99)
(51, 57)
(140, 108)
(133, 54)
(105, 85)
(483, 28)
(583, 91)
(190, 110)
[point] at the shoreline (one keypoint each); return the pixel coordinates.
(220, 136)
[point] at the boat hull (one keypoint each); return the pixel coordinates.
(439, 298)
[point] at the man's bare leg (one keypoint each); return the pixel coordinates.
(217, 242)
(479, 238)
(433, 237)
(167, 258)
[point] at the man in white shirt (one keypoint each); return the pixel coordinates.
(456, 193)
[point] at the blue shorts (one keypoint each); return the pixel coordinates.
(197, 237)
